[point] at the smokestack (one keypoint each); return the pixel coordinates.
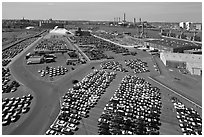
(134, 21)
(119, 19)
(124, 17)
(140, 20)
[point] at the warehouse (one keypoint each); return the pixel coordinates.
(35, 60)
(171, 45)
(191, 62)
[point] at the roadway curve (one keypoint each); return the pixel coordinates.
(47, 100)
(47, 95)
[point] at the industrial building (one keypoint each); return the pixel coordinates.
(35, 60)
(171, 45)
(51, 24)
(190, 25)
(191, 62)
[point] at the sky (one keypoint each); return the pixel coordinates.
(105, 11)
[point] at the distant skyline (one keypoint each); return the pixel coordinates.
(105, 11)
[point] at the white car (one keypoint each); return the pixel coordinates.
(61, 123)
(50, 132)
(72, 126)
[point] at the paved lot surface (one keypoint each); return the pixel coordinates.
(89, 125)
(47, 95)
(187, 86)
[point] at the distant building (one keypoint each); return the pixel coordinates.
(198, 26)
(191, 62)
(189, 25)
(182, 25)
(51, 24)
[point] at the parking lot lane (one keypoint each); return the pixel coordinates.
(187, 94)
(69, 44)
(92, 120)
(168, 129)
(97, 109)
(168, 115)
(87, 129)
(77, 48)
(162, 68)
(95, 112)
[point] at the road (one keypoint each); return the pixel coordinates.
(20, 54)
(80, 51)
(47, 99)
(185, 85)
(176, 92)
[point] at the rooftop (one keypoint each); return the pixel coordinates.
(174, 43)
(189, 58)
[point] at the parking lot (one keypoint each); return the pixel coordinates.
(11, 52)
(77, 102)
(89, 90)
(62, 50)
(119, 110)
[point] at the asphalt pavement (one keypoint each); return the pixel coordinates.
(47, 99)
(88, 126)
(47, 96)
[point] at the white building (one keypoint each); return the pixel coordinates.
(192, 62)
(182, 25)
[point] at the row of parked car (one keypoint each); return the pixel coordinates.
(113, 65)
(100, 44)
(78, 100)
(190, 121)
(16, 49)
(53, 44)
(137, 65)
(95, 54)
(134, 109)
(5, 62)
(7, 85)
(52, 72)
(13, 108)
